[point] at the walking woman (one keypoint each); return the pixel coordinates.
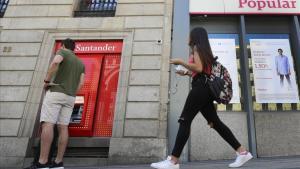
(200, 99)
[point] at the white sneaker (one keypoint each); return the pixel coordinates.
(241, 159)
(166, 164)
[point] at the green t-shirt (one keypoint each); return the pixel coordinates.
(68, 73)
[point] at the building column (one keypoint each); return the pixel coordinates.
(245, 78)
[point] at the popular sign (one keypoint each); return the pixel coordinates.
(263, 4)
(245, 7)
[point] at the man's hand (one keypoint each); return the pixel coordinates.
(81, 82)
(46, 85)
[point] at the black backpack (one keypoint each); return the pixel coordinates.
(220, 83)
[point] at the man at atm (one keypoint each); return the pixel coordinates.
(64, 79)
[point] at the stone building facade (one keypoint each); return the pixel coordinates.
(29, 30)
(149, 96)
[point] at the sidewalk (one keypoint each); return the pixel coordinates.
(260, 163)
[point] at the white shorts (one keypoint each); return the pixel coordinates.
(57, 108)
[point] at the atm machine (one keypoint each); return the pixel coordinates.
(94, 107)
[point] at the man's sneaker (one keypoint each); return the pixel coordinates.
(241, 159)
(54, 165)
(38, 166)
(166, 164)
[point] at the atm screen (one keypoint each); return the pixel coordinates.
(77, 110)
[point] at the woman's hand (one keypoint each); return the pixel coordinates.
(181, 73)
(176, 61)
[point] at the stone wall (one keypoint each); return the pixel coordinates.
(277, 133)
(28, 31)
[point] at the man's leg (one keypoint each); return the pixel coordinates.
(53, 145)
(37, 153)
(288, 79)
(46, 141)
(62, 142)
(52, 149)
(63, 123)
(281, 80)
(49, 114)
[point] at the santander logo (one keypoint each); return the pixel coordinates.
(98, 47)
(267, 4)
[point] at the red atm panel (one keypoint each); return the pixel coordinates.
(84, 127)
(107, 96)
(94, 108)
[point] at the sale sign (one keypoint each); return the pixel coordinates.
(273, 70)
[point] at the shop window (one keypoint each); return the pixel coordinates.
(226, 47)
(272, 73)
(3, 6)
(96, 8)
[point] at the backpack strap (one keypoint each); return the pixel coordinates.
(222, 71)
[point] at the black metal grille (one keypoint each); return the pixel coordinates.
(94, 8)
(3, 6)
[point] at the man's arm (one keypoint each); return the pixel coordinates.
(53, 67)
(288, 65)
(276, 63)
(81, 82)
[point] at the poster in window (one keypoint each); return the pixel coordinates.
(226, 52)
(273, 69)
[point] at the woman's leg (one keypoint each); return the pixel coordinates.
(210, 114)
(182, 137)
(190, 110)
(196, 99)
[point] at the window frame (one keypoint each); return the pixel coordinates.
(96, 8)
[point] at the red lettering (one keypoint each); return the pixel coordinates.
(242, 2)
(293, 4)
(285, 4)
(262, 4)
(261, 66)
(271, 4)
(252, 4)
(279, 4)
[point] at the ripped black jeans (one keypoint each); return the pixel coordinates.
(200, 99)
